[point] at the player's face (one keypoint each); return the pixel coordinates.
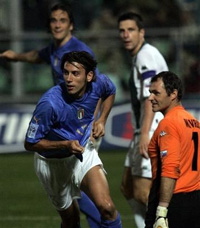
(60, 26)
(159, 98)
(76, 79)
(131, 36)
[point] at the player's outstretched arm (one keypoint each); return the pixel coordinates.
(31, 56)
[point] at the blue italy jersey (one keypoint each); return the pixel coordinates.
(58, 117)
(53, 56)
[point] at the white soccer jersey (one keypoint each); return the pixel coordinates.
(147, 63)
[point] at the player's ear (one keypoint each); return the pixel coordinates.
(142, 33)
(174, 94)
(71, 28)
(90, 76)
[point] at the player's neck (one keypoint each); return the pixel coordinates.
(60, 43)
(172, 106)
(139, 46)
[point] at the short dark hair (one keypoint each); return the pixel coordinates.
(171, 82)
(64, 7)
(82, 57)
(132, 16)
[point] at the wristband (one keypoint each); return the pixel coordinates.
(161, 218)
(161, 212)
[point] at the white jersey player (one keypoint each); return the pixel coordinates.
(147, 61)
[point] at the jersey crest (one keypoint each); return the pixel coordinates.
(163, 153)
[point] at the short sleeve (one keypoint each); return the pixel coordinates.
(41, 122)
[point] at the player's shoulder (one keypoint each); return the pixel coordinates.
(103, 82)
(102, 78)
(46, 51)
(174, 118)
(149, 54)
(79, 44)
(75, 40)
(148, 49)
(99, 79)
(52, 94)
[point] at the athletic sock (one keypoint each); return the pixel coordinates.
(92, 223)
(112, 224)
(139, 211)
(89, 209)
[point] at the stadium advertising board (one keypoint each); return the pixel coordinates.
(14, 121)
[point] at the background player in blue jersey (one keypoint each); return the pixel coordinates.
(66, 160)
(61, 24)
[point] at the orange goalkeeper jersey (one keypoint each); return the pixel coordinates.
(175, 146)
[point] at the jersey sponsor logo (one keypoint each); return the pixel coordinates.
(162, 133)
(79, 132)
(163, 153)
(80, 113)
(36, 120)
(84, 126)
(144, 167)
(32, 130)
(144, 68)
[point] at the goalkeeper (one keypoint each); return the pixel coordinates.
(174, 150)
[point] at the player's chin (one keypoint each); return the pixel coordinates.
(57, 36)
(74, 94)
(155, 108)
(128, 47)
(70, 92)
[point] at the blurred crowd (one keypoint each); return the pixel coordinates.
(171, 25)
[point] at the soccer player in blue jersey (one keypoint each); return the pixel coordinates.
(59, 131)
(61, 24)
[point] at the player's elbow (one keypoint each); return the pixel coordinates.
(28, 146)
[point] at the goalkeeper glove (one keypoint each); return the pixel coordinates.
(161, 218)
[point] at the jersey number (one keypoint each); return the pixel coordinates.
(195, 156)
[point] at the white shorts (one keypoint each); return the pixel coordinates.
(97, 143)
(140, 166)
(61, 178)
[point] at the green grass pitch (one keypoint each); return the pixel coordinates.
(23, 202)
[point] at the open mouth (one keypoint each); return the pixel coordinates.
(127, 42)
(57, 32)
(70, 88)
